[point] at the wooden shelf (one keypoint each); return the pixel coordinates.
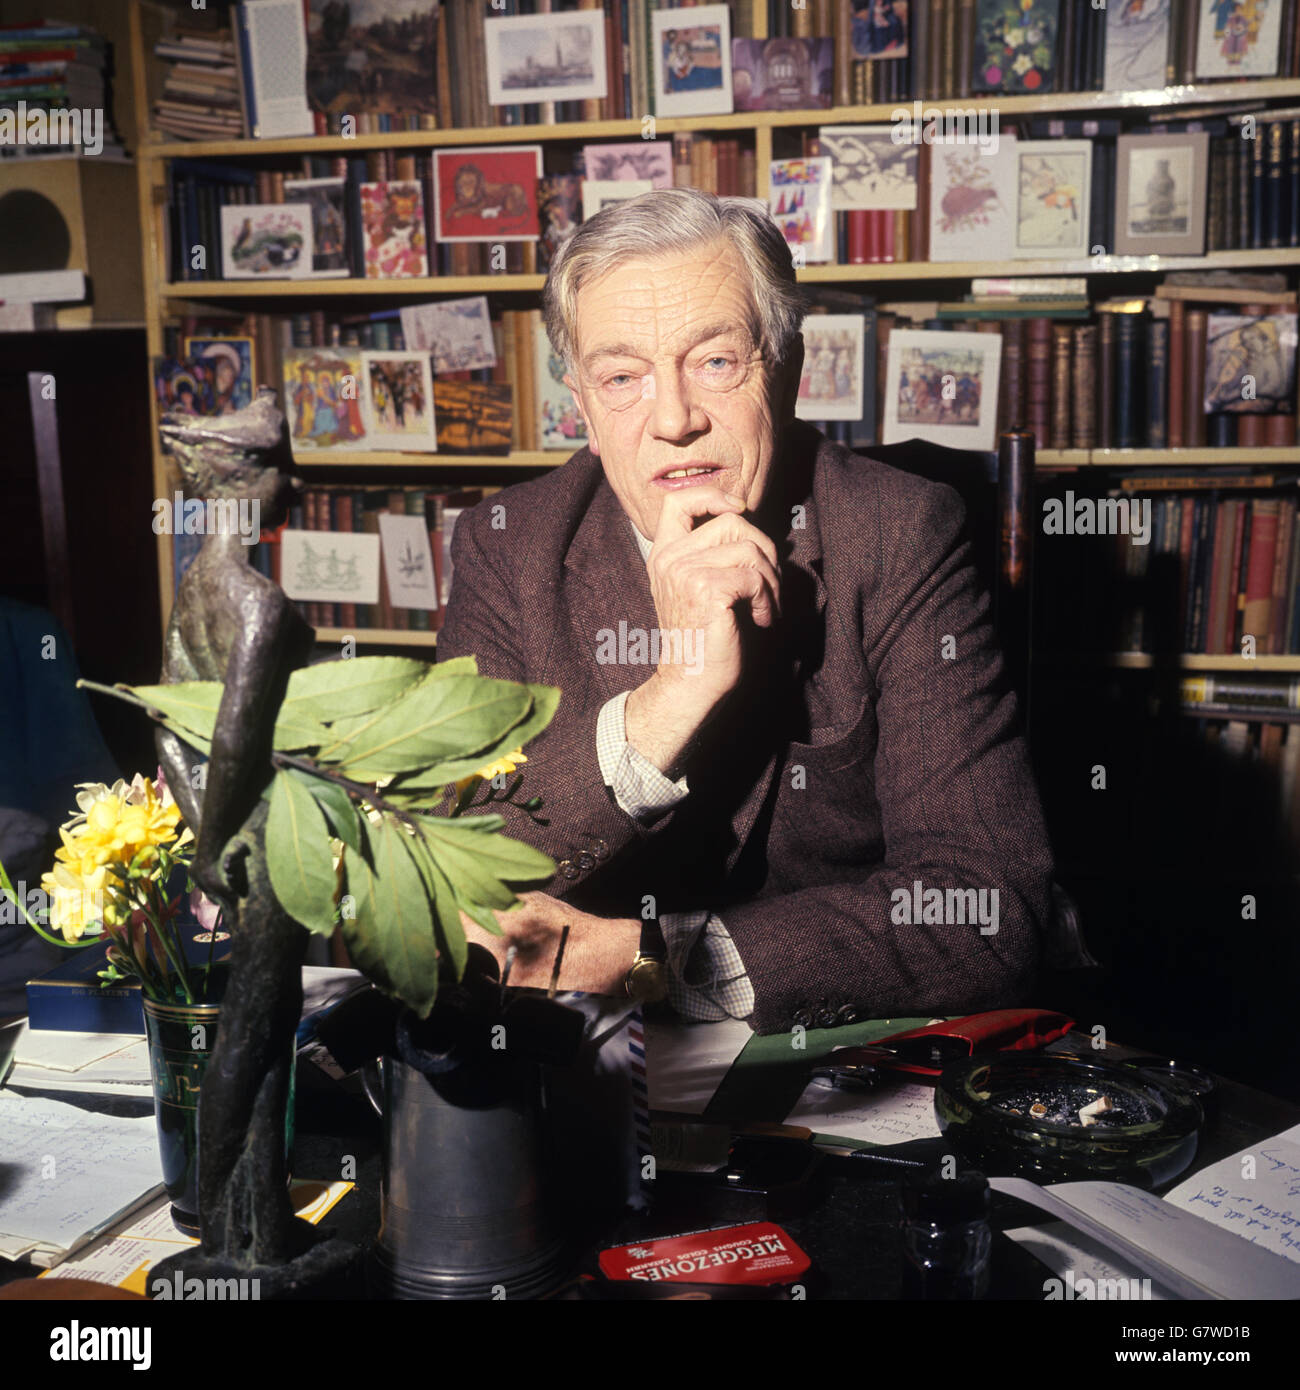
(313, 289)
(1203, 457)
(377, 637)
(1052, 103)
(1184, 661)
(810, 275)
(342, 458)
(1093, 265)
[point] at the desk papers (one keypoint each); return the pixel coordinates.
(685, 1062)
(892, 1112)
(68, 1174)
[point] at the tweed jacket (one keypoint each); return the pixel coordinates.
(870, 748)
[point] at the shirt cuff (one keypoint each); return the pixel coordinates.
(639, 788)
(707, 980)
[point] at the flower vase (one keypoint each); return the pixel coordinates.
(181, 1037)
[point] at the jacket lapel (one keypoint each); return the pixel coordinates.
(609, 585)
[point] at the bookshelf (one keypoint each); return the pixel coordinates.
(167, 299)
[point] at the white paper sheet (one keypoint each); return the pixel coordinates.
(1193, 1258)
(67, 1052)
(685, 1062)
(1263, 1209)
(65, 1172)
(891, 1113)
(1073, 1257)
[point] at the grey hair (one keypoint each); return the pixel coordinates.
(671, 220)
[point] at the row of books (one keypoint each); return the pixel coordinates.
(200, 97)
(54, 67)
(320, 566)
(1132, 381)
(376, 215)
(1200, 564)
(465, 63)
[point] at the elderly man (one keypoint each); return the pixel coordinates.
(782, 726)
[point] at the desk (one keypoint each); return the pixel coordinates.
(851, 1234)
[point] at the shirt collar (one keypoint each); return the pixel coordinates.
(643, 545)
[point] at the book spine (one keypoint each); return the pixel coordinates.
(1157, 383)
(1177, 373)
(1060, 434)
(1106, 381)
(1258, 608)
(1281, 570)
(1084, 382)
(1194, 385)
(1127, 381)
(1038, 398)
(965, 39)
(1276, 217)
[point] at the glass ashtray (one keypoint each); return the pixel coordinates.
(1059, 1119)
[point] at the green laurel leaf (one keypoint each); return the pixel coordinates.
(298, 857)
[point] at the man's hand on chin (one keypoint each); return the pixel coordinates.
(596, 959)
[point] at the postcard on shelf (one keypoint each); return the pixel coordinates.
(634, 159)
(1054, 192)
(474, 417)
(1137, 42)
(184, 385)
(600, 193)
(692, 61)
(1015, 45)
(322, 399)
(392, 230)
(408, 561)
(397, 401)
(265, 241)
(230, 363)
(325, 198)
(376, 58)
(799, 200)
(488, 193)
(781, 74)
(972, 200)
(1239, 38)
(1160, 194)
(1250, 364)
(559, 207)
(272, 40)
(942, 387)
(456, 332)
(869, 169)
(559, 426)
(550, 57)
(330, 566)
(880, 28)
(831, 385)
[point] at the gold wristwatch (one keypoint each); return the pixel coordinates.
(647, 978)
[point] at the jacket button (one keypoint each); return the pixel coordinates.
(586, 861)
(567, 870)
(827, 1018)
(848, 1014)
(600, 849)
(804, 1018)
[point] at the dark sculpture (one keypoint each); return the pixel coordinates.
(232, 624)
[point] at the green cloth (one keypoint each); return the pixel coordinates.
(770, 1074)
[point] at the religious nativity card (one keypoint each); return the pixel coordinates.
(322, 399)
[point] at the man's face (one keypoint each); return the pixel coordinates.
(669, 378)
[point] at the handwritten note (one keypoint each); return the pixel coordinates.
(892, 1113)
(67, 1171)
(1254, 1193)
